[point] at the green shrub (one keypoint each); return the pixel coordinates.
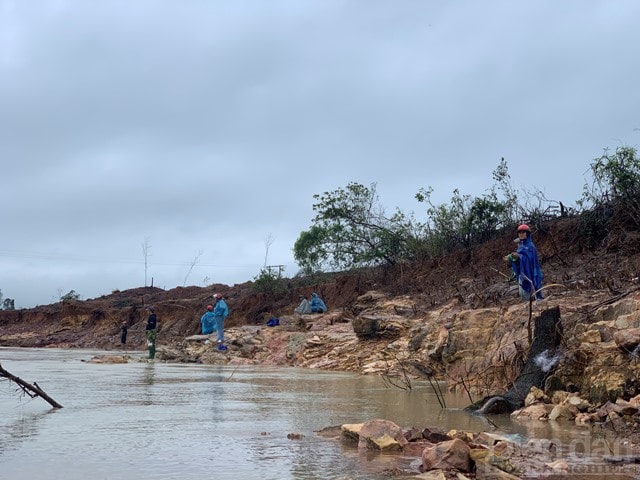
(269, 281)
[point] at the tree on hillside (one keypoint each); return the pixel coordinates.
(7, 303)
(468, 220)
(616, 183)
(71, 295)
(270, 280)
(146, 248)
(267, 245)
(193, 263)
(612, 199)
(350, 230)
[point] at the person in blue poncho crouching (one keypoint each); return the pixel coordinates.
(208, 321)
(526, 266)
(317, 304)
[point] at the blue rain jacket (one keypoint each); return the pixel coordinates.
(317, 304)
(208, 323)
(527, 269)
(220, 310)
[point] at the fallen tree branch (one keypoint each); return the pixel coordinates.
(31, 390)
(611, 300)
(622, 460)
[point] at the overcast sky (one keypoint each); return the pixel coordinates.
(204, 128)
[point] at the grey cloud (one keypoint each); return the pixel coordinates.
(209, 125)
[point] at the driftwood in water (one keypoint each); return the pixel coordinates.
(31, 390)
(540, 363)
(622, 460)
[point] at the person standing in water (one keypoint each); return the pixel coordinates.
(152, 326)
(123, 335)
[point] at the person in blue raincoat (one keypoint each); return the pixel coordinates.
(526, 265)
(220, 312)
(208, 321)
(317, 304)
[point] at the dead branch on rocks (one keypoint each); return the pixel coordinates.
(28, 389)
(399, 381)
(499, 374)
(611, 300)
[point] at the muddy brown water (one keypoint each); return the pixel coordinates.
(167, 421)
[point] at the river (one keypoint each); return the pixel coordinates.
(144, 420)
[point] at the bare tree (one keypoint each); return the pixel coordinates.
(193, 263)
(267, 245)
(146, 247)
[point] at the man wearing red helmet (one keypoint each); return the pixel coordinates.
(208, 321)
(526, 265)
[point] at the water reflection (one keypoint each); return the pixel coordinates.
(149, 374)
(23, 428)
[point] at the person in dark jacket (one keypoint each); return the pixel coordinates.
(526, 265)
(152, 325)
(123, 335)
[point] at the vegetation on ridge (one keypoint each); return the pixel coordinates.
(351, 230)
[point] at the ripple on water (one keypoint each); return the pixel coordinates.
(155, 421)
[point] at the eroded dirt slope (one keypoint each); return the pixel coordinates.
(475, 277)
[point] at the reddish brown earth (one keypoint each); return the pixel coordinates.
(478, 274)
(578, 279)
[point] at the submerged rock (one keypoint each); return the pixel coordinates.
(109, 359)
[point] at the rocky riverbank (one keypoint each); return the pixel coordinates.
(456, 320)
(591, 381)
